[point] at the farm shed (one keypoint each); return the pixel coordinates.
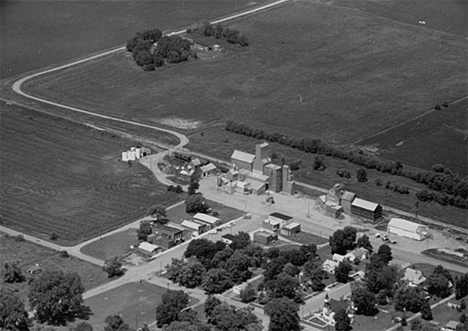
(366, 209)
(242, 160)
(264, 238)
(208, 169)
(407, 229)
(290, 229)
(271, 224)
(280, 218)
(228, 238)
(195, 227)
(148, 249)
(346, 200)
(211, 221)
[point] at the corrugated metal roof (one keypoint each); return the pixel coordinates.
(208, 167)
(191, 225)
(348, 195)
(243, 156)
(206, 218)
(147, 246)
(254, 175)
(282, 216)
(291, 226)
(365, 204)
(404, 224)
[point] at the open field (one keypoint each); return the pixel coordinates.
(28, 254)
(62, 177)
(36, 34)
(439, 129)
(348, 74)
(136, 303)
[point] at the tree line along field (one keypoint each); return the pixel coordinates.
(314, 70)
(56, 31)
(59, 176)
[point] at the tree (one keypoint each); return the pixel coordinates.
(115, 323)
(180, 326)
(193, 186)
(228, 318)
(318, 163)
(284, 286)
(284, 315)
(13, 315)
(408, 298)
(416, 324)
(364, 301)
(342, 240)
(313, 275)
(240, 241)
(364, 242)
(426, 312)
(196, 204)
(144, 230)
(157, 211)
(362, 175)
(56, 296)
(461, 286)
(220, 258)
(210, 304)
(439, 285)
(342, 272)
(168, 310)
(188, 315)
(342, 320)
(385, 253)
(12, 273)
(237, 267)
(83, 326)
(248, 294)
(191, 274)
(216, 281)
(113, 266)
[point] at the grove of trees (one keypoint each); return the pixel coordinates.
(219, 32)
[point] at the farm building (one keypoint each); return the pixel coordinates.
(131, 155)
(336, 201)
(242, 160)
(407, 229)
(414, 277)
(290, 229)
(148, 249)
(228, 238)
(195, 227)
(450, 326)
(264, 238)
(280, 218)
(346, 200)
(211, 221)
(208, 170)
(271, 224)
(366, 209)
(275, 177)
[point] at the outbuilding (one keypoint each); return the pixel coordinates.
(264, 238)
(211, 221)
(407, 229)
(366, 209)
(290, 229)
(195, 227)
(148, 249)
(281, 218)
(228, 238)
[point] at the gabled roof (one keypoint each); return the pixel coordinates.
(168, 229)
(404, 224)
(191, 225)
(272, 222)
(229, 236)
(349, 196)
(291, 226)
(208, 167)
(414, 276)
(365, 204)
(147, 246)
(206, 218)
(243, 156)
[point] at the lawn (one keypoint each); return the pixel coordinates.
(63, 177)
(226, 214)
(114, 245)
(36, 34)
(444, 314)
(135, 302)
(28, 254)
(435, 253)
(306, 238)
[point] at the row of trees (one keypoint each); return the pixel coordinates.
(439, 178)
(219, 32)
(151, 49)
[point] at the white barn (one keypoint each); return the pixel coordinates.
(407, 229)
(211, 221)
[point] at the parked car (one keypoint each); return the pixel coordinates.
(393, 241)
(378, 235)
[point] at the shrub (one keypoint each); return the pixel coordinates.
(19, 238)
(64, 254)
(179, 189)
(445, 104)
(378, 182)
(53, 236)
(437, 107)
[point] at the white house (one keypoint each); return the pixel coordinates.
(414, 277)
(330, 266)
(407, 229)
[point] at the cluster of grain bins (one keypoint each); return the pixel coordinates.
(135, 153)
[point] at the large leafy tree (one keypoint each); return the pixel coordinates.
(439, 285)
(196, 203)
(217, 281)
(220, 258)
(385, 253)
(314, 274)
(364, 301)
(240, 240)
(83, 326)
(228, 318)
(284, 315)
(364, 242)
(56, 296)
(113, 266)
(461, 286)
(13, 315)
(115, 323)
(284, 286)
(342, 320)
(210, 304)
(342, 272)
(170, 307)
(408, 298)
(191, 274)
(238, 267)
(343, 240)
(204, 250)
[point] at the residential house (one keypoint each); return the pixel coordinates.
(414, 277)
(264, 238)
(330, 266)
(196, 227)
(210, 221)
